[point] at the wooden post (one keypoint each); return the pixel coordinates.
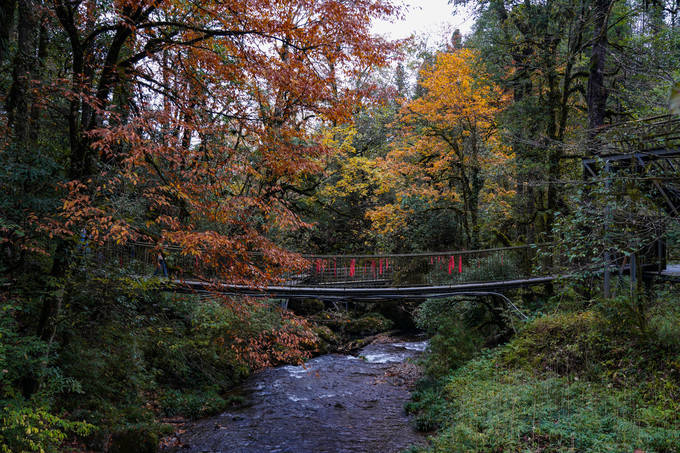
(607, 255)
(633, 275)
(661, 254)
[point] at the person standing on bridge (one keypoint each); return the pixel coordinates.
(161, 266)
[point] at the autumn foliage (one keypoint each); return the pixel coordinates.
(449, 154)
(191, 122)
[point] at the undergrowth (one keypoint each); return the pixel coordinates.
(605, 378)
(125, 356)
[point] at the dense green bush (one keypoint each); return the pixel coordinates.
(458, 327)
(564, 343)
(25, 427)
(28, 424)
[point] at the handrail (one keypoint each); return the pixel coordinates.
(384, 255)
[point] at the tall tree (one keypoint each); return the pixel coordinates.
(188, 123)
(449, 153)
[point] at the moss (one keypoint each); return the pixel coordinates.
(137, 439)
(369, 324)
(328, 340)
(562, 343)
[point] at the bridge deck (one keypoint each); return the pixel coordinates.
(330, 293)
(671, 273)
(672, 270)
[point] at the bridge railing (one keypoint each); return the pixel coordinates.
(351, 271)
(440, 268)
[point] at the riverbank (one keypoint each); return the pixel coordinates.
(594, 376)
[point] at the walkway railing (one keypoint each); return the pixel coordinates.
(440, 268)
(346, 271)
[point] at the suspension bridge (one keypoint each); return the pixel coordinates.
(369, 277)
(647, 151)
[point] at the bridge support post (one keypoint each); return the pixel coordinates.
(661, 254)
(607, 256)
(633, 275)
(607, 277)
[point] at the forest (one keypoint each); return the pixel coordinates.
(233, 138)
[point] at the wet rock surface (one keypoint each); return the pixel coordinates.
(334, 403)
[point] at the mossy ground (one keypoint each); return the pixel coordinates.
(582, 381)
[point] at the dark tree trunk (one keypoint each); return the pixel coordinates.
(37, 74)
(7, 8)
(597, 93)
(18, 101)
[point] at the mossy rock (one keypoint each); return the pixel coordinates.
(326, 334)
(139, 440)
(328, 340)
(338, 325)
(369, 324)
(306, 307)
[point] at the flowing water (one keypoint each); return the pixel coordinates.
(334, 403)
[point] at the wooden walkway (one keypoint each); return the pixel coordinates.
(357, 294)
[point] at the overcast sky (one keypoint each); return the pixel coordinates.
(426, 16)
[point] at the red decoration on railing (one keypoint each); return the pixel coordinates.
(460, 264)
(351, 267)
(381, 266)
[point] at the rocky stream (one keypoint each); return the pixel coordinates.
(333, 403)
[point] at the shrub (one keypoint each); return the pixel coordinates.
(24, 428)
(562, 343)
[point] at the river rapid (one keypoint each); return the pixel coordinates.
(334, 403)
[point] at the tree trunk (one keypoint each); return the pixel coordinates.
(6, 21)
(37, 74)
(597, 93)
(18, 101)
